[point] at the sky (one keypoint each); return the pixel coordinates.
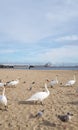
(39, 31)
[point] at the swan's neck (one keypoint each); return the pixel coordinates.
(74, 78)
(46, 88)
(56, 79)
(3, 92)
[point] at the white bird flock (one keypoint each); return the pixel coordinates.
(39, 96)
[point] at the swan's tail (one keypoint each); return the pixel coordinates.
(28, 99)
(67, 84)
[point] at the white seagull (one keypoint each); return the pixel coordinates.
(12, 83)
(40, 96)
(71, 82)
(3, 99)
(53, 82)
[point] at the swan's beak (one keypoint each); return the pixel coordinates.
(47, 80)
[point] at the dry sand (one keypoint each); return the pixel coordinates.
(20, 115)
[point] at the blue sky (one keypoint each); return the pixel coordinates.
(39, 31)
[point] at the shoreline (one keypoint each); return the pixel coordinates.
(40, 67)
(44, 68)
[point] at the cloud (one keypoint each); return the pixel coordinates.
(45, 24)
(62, 11)
(67, 38)
(62, 54)
(7, 51)
(29, 21)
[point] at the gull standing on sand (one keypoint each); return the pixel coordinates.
(71, 82)
(39, 114)
(40, 96)
(3, 99)
(65, 118)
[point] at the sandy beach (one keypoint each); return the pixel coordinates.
(20, 115)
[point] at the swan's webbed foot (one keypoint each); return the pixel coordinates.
(14, 86)
(35, 102)
(41, 103)
(6, 107)
(30, 88)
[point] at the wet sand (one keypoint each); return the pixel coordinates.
(21, 115)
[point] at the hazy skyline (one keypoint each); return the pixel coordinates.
(39, 31)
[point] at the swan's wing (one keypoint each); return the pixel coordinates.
(0, 97)
(38, 96)
(12, 83)
(9, 83)
(16, 82)
(70, 82)
(53, 82)
(3, 100)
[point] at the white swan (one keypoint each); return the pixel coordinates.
(53, 82)
(3, 99)
(40, 96)
(71, 82)
(12, 83)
